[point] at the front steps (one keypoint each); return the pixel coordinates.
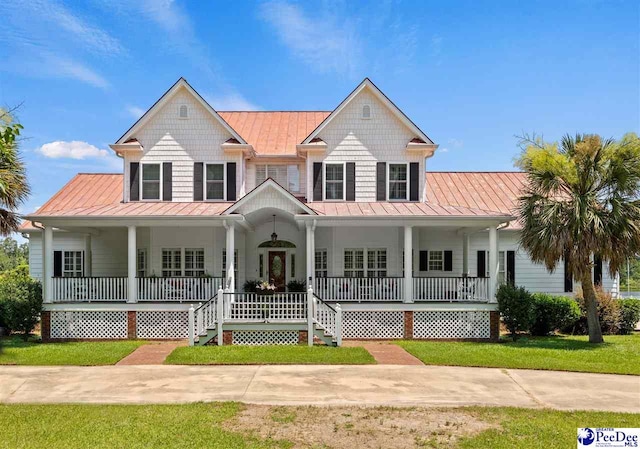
(210, 337)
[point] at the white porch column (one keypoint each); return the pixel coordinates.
(131, 264)
(493, 263)
(408, 264)
(311, 250)
(465, 254)
(47, 263)
(87, 255)
(230, 251)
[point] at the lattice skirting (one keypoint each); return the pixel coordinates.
(451, 324)
(92, 324)
(162, 325)
(255, 338)
(373, 325)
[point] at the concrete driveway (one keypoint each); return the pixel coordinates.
(389, 385)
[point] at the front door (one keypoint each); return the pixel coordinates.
(277, 261)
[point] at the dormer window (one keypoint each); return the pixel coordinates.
(151, 181)
(366, 111)
(183, 112)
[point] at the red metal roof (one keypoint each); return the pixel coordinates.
(274, 133)
(390, 209)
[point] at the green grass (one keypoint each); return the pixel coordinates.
(15, 351)
(620, 354)
(269, 355)
(537, 429)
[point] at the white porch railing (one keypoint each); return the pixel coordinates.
(178, 288)
(205, 316)
(257, 307)
(359, 289)
(451, 289)
(88, 289)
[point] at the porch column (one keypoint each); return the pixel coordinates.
(131, 264)
(230, 251)
(87, 255)
(408, 264)
(311, 249)
(465, 254)
(47, 262)
(493, 263)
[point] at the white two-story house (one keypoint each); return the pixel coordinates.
(340, 201)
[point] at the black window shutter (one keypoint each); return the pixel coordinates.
(231, 181)
(568, 278)
(448, 261)
(351, 181)
(198, 173)
(167, 182)
(424, 260)
(57, 263)
(414, 181)
(597, 270)
(381, 181)
(134, 181)
(317, 181)
(482, 264)
(511, 267)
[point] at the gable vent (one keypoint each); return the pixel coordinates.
(366, 111)
(183, 111)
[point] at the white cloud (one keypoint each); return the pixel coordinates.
(62, 67)
(327, 43)
(231, 102)
(135, 111)
(455, 143)
(75, 149)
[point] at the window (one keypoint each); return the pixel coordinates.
(183, 111)
(288, 176)
(502, 266)
(377, 263)
(293, 266)
(353, 263)
(150, 181)
(366, 111)
(171, 262)
(72, 264)
(397, 181)
(215, 182)
(436, 260)
(194, 262)
(321, 263)
(261, 265)
(334, 181)
(141, 263)
(235, 267)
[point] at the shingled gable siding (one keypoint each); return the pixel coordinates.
(381, 138)
(166, 138)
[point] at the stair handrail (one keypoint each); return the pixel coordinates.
(201, 317)
(328, 318)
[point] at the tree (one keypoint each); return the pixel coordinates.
(582, 199)
(13, 254)
(14, 188)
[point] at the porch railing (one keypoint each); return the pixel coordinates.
(258, 307)
(88, 289)
(360, 289)
(178, 288)
(452, 289)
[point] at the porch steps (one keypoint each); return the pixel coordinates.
(210, 337)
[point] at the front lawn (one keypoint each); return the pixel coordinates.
(620, 354)
(232, 425)
(269, 355)
(15, 351)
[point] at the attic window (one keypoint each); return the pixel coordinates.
(366, 111)
(183, 112)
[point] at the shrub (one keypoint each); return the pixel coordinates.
(20, 300)
(629, 315)
(553, 312)
(516, 307)
(250, 285)
(608, 312)
(295, 285)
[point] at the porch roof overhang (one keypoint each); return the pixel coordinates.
(405, 220)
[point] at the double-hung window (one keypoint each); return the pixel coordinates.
(288, 176)
(141, 263)
(72, 266)
(171, 262)
(151, 182)
(353, 263)
(321, 263)
(334, 181)
(376, 263)
(194, 262)
(214, 182)
(398, 176)
(436, 260)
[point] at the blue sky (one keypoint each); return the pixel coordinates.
(471, 74)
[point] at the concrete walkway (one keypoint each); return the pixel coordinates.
(386, 353)
(153, 353)
(390, 385)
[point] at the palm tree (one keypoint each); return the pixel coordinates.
(13, 179)
(582, 198)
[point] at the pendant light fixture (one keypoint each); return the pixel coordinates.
(274, 236)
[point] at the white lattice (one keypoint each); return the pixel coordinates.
(255, 338)
(162, 324)
(451, 324)
(373, 324)
(92, 324)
